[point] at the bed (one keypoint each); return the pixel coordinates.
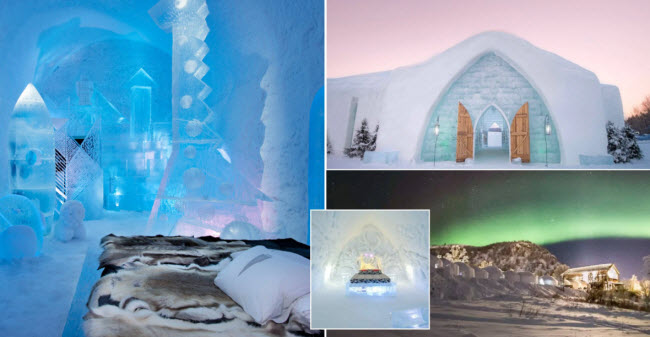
(370, 280)
(165, 286)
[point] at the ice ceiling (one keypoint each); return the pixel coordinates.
(265, 68)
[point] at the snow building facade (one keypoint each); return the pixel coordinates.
(493, 97)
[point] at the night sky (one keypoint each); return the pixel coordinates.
(573, 213)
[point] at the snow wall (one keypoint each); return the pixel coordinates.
(266, 67)
(399, 238)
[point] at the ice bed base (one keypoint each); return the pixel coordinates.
(371, 289)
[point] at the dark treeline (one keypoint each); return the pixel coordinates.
(640, 119)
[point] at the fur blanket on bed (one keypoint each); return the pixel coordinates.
(164, 286)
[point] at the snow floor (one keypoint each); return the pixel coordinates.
(500, 317)
(41, 290)
(490, 161)
(331, 308)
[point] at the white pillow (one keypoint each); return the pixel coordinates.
(265, 282)
(301, 310)
(283, 253)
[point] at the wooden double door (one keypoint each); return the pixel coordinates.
(519, 135)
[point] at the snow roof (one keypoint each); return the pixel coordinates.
(368, 81)
(596, 267)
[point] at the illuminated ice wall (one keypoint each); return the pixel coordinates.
(200, 188)
(266, 66)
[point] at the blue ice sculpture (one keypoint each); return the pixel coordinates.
(134, 150)
(140, 126)
(31, 146)
(200, 191)
(78, 145)
(17, 210)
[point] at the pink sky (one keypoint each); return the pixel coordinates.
(610, 38)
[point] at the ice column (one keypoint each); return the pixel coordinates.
(140, 127)
(200, 192)
(31, 146)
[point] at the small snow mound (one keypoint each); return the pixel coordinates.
(18, 210)
(70, 225)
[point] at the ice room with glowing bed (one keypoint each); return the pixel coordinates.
(158, 160)
(370, 269)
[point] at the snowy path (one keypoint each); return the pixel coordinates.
(500, 317)
(554, 318)
(339, 162)
(36, 294)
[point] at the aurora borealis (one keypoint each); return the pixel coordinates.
(483, 207)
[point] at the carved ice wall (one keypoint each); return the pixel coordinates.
(200, 191)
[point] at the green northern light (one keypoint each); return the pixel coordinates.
(524, 226)
(547, 208)
(484, 207)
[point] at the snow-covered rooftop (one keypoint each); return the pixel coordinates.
(598, 267)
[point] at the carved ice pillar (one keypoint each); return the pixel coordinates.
(200, 189)
(31, 156)
(140, 123)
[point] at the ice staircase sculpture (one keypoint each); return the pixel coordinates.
(77, 166)
(200, 191)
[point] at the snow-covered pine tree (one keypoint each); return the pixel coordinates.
(622, 144)
(613, 138)
(373, 142)
(363, 141)
(632, 147)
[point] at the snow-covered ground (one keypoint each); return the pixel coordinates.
(333, 309)
(501, 317)
(344, 163)
(36, 294)
(554, 317)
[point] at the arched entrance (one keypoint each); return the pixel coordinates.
(490, 80)
(492, 136)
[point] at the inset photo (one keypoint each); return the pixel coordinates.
(370, 269)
